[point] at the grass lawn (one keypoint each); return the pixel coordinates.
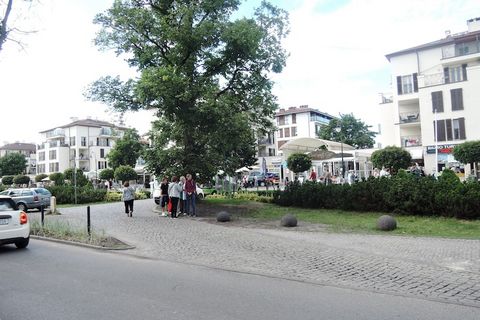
(365, 222)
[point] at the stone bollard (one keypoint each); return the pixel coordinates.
(223, 216)
(386, 223)
(53, 205)
(289, 220)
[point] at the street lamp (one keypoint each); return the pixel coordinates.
(339, 130)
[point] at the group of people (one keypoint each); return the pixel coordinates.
(178, 196)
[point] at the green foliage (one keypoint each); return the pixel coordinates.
(203, 72)
(125, 173)
(299, 162)
(21, 179)
(467, 152)
(106, 174)
(139, 195)
(65, 194)
(40, 177)
(81, 180)
(113, 196)
(58, 178)
(353, 132)
(12, 164)
(392, 157)
(126, 150)
(253, 196)
(7, 180)
(401, 194)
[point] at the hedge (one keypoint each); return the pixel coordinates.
(401, 194)
(66, 194)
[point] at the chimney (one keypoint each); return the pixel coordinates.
(304, 106)
(448, 33)
(282, 110)
(473, 24)
(292, 108)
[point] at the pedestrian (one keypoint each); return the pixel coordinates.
(174, 191)
(128, 196)
(164, 196)
(183, 196)
(191, 190)
(313, 176)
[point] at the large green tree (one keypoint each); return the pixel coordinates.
(392, 157)
(126, 150)
(468, 152)
(12, 164)
(352, 131)
(205, 74)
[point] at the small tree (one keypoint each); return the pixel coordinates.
(125, 173)
(107, 174)
(299, 162)
(58, 178)
(468, 152)
(126, 150)
(7, 180)
(21, 179)
(13, 164)
(392, 157)
(81, 179)
(40, 177)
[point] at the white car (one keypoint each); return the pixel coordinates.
(157, 193)
(14, 224)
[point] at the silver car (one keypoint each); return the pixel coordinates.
(28, 198)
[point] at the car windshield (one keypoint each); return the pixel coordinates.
(5, 205)
(4, 193)
(42, 191)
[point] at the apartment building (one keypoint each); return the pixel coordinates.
(436, 100)
(83, 144)
(26, 149)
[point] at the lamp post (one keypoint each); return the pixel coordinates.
(339, 130)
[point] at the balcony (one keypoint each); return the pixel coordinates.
(108, 132)
(57, 133)
(41, 146)
(411, 141)
(264, 141)
(409, 117)
(436, 79)
(462, 49)
(55, 144)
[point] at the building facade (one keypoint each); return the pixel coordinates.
(82, 144)
(26, 149)
(436, 100)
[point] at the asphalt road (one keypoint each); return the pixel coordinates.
(53, 281)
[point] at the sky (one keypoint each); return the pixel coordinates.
(337, 58)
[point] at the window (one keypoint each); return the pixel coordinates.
(280, 133)
(271, 152)
(287, 132)
(102, 164)
(72, 141)
(281, 120)
(84, 141)
(459, 129)
(449, 129)
(437, 101)
(40, 168)
(407, 84)
(102, 153)
(457, 99)
(52, 154)
(53, 167)
(455, 74)
(41, 156)
(294, 118)
(294, 131)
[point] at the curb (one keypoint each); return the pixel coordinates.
(80, 244)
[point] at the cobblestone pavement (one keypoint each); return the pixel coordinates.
(437, 269)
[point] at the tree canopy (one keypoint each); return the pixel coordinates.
(467, 152)
(299, 162)
(125, 173)
(126, 150)
(107, 174)
(353, 131)
(205, 74)
(12, 164)
(392, 157)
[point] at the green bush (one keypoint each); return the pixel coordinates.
(7, 180)
(403, 194)
(40, 177)
(113, 196)
(125, 173)
(58, 178)
(21, 179)
(65, 194)
(106, 174)
(140, 195)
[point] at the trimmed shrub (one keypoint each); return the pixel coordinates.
(58, 178)
(140, 195)
(7, 180)
(65, 194)
(40, 177)
(113, 196)
(125, 173)
(106, 174)
(21, 179)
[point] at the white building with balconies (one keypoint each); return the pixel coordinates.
(82, 144)
(436, 99)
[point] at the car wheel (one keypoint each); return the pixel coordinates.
(20, 244)
(200, 196)
(22, 207)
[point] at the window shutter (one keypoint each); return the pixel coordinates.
(441, 130)
(446, 75)
(464, 72)
(461, 122)
(448, 125)
(415, 82)
(399, 85)
(457, 99)
(437, 101)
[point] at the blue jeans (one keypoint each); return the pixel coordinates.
(190, 203)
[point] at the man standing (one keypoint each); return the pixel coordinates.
(191, 190)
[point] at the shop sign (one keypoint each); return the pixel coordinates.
(442, 148)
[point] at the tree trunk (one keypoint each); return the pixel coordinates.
(3, 25)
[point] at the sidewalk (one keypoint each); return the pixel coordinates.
(436, 269)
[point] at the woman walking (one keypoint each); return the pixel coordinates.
(128, 196)
(174, 191)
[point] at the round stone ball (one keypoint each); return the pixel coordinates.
(289, 220)
(386, 223)
(223, 216)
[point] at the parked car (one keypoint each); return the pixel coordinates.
(255, 176)
(157, 193)
(26, 198)
(272, 178)
(14, 224)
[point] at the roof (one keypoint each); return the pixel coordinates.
(19, 146)
(438, 43)
(301, 109)
(87, 123)
(312, 144)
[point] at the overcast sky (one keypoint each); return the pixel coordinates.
(337, 58)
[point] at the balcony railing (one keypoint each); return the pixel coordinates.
(461, 49)
(54, 144)
(262, 141)
(56, 133)
(41, 146)
(409, 117)
(439, 78)
(411, 141)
